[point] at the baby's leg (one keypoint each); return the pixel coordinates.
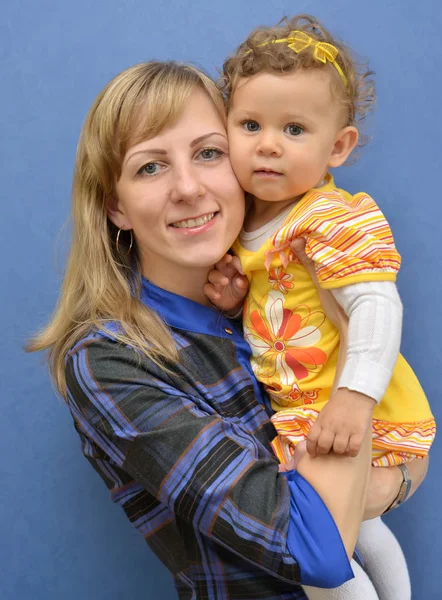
(384, 560)
(359, 588)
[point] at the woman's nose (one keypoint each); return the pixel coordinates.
(187, 186)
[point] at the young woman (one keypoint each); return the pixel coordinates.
(159, 383)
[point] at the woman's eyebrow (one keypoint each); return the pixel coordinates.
(164, 152)
(146, 151)
(205, 136)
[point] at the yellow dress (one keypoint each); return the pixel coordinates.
(295, 347)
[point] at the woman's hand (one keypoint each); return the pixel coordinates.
(385, 483)
(300, 450)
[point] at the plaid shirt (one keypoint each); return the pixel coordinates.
(187, 456)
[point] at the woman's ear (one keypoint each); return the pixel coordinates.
(115, 214)
(345, 142)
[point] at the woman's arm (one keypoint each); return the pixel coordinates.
(333, 476)
(342, 482)
(213, 473)
(385, 483)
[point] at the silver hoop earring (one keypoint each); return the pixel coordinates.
(118, 240)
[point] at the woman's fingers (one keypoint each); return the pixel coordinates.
(298, 247)
(300, 451)
(332, 309)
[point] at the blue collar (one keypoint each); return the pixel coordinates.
(182, 313)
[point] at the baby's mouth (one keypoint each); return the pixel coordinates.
(267, 172)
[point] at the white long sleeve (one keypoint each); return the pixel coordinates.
(374, 310)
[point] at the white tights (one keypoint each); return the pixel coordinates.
(386, 576)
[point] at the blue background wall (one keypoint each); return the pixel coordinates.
(61, 536)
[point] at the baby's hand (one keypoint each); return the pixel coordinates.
(342, 424)
(227, 286)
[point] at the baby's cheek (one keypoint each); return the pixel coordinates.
(240, 167)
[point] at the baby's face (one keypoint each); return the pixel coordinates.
(282, 131)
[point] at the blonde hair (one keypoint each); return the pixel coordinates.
(102, 283)
(258, 55)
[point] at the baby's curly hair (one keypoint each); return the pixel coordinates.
(258, 55)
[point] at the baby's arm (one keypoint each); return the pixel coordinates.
(374, 335)
(374, 310)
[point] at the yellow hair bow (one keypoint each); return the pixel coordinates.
(299, 41)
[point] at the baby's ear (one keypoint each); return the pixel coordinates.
(345, 142)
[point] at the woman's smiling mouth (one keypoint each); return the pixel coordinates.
(196, 223)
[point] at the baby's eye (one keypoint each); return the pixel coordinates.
(293, 129)
(150, 168)
(210, 153)
(251, 126)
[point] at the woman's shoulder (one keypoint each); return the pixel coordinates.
(101, 356)
(100, 341)
(94, 338)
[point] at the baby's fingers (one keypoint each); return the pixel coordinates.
(212, 292)
(312, 440)
(354, 445)
(236, 264)
(241, 282)
(341, 443)
(224, 265)
(218, 279)
(325, 441)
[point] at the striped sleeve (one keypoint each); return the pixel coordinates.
(347, 237)
(208, 471)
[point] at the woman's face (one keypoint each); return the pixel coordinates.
(179, 195)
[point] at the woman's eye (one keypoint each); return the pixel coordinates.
(294, 130)
(151, 168)
(210, 153)
(251, 126)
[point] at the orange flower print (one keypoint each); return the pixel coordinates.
(287, 398)
(282, 341)
(308, 397)
(280, 280)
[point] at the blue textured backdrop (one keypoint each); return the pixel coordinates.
(62, 537)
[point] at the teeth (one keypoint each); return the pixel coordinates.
(194, 222)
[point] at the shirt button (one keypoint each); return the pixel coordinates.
(227, 330)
